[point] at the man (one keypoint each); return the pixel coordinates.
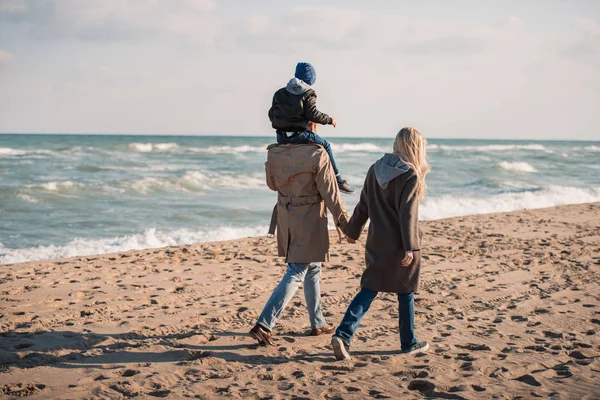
(305, 182)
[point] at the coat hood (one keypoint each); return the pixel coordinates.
(388, 168)
(297, 86)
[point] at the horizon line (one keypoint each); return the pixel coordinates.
(262, 136)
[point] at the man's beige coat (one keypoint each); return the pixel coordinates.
(304, 180)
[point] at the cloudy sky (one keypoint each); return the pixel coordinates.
(469, 69)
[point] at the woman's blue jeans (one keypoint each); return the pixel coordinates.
(295, 275)
(359, 307)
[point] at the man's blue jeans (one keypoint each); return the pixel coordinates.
(307, 137)
(359, 307)
(310, 274)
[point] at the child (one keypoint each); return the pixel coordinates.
(294, 107)
(390, 199)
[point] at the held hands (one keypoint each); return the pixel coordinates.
(342, 235)
(407, 260)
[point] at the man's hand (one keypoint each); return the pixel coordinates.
(340, 234)
(350, 240)
(333, 122)
(313, 127)
(408, 259)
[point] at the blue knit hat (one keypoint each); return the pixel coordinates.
(306, 72)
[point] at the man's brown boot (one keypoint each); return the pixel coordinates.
(323, 330)
(263, 336)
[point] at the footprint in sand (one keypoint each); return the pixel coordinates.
(519, 318)
(129, 372)
(539, 349)
(528, 379)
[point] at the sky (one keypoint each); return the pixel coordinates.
(487, 69)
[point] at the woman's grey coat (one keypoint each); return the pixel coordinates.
(389, 200)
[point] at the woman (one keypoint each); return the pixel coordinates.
(390, 199)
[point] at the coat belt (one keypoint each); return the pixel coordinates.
(300, 200)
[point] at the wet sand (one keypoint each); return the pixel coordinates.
(510, 304)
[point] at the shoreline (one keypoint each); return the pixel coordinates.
(509, 303)
(332, 235)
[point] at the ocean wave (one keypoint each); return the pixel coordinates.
(150, 238)
(152, 147)
(491, 147)
(93, 168)
(454, 205)
(7, 151)
(61, 187)
(190, 181)
(57, 188)
(228, 149)
(195, 181)
(359, 148)
(517, 166)
(27, 198)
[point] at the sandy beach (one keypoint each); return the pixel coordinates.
(510, 304)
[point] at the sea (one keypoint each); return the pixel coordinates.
(75, 195)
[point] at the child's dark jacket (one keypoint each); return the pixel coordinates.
(294, 107)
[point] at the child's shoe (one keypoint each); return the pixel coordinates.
(345, 188)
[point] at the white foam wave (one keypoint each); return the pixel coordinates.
(27, 198)
(150, 147)
(229, 149)
(491, 147)
(592, 148)
(336, 147)
(358, 147)
(61, 187)
(7, 152)
(195, 181)
(516, 166)
(453, 206)
(150, 238)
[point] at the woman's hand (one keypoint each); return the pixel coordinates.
(408, 259)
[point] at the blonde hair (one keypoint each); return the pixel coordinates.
(410, 146)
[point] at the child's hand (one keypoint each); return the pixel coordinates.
(333, 122)
(408, 259)
(350, 240)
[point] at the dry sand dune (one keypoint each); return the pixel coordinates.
(509, 302)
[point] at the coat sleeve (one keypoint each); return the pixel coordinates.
(270, 178)
(329, 191)
(271, 109)
(311, 113)
(360, 215)
(408, 212)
